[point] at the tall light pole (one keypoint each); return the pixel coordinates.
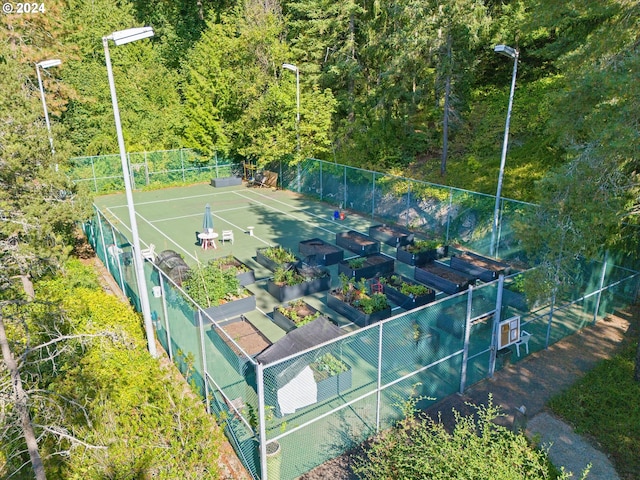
(296, 70)
(511, 53)
(120, 38)
(46, 64)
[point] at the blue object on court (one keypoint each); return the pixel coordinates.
(336, 215)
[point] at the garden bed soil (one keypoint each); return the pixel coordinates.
(357, 242)
(484, 268)
(324, 253)
(248, 337)
(375, 265)
(391, 235)
(443, 278)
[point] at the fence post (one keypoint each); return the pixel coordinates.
(262, 427)
(203, 359)
(182, 163)
(449, 212)
(344, 190)
(93, 172)
(146, 169)
(496, 326)
(165, 312)
(551, 309)
(373, 195)
(116, 250)
(467, 334)
(321, 183)
(601, 286)
(406, 214)
(379, 380)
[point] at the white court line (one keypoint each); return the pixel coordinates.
(286, 213)
(157, 229)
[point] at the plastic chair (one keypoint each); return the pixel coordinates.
(149, 253)
(524, 340)
(227, 235)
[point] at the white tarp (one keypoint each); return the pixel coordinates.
(300, 392)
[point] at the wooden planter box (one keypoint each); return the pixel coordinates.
(245, 334)
(230, 309)
(443, 278)
(225, 182)
(405, 301)
(332, 386)
(357, 242)
(420, 258)
(285, 293)
(481, 267)
(391, 235)
(325, 253)
(285, 322)
(267, 262)
(356, 316)
(376, 265)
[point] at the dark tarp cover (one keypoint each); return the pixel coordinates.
(313, 333)
(172, 264)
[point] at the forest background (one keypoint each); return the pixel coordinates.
(407, 87)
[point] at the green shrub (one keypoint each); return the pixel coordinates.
(478, 448)
(209, 285)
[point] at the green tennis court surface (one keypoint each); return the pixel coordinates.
(171, 218)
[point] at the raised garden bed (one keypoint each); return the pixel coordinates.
(443, 278)
(420, 252)
(337, 301)
(294, 315)
(290, 283)
(244, 274)
(375, 265)
(231, 309)
(226, 181)
(324, 253)
(245, 335)
(407, 293)
(484, 268)
(391, 235)
(332, 376)
(357, 242)
(274, 257)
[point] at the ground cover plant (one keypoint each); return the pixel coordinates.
(604, 405)
(210, 285)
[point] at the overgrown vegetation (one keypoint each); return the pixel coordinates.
(604, 405)
(419, 447)
(209, 285)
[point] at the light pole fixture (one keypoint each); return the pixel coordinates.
(120, 38)
(511, 53)
(46, 64)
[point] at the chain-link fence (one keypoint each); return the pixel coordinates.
(435, 211)
(285, 417)
(103, 173)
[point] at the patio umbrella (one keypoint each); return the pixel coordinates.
(207, 222)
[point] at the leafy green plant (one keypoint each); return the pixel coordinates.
(328, 365)
(371, 304)
(356, 263)
(287, 276)
(291, 311)
(423, 246)
(420, 447)
(210, 285)
(279, 254)
(407, 288)
(230, 262)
